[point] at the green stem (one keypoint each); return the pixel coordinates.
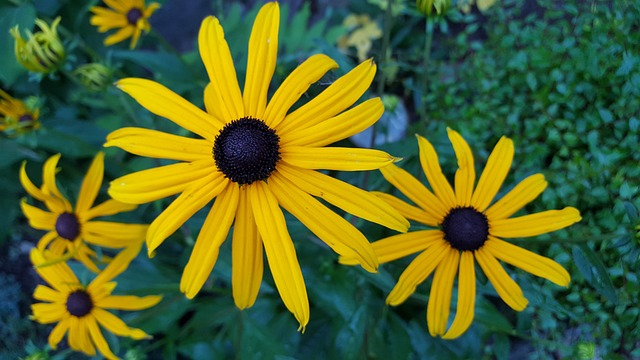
(426, 57)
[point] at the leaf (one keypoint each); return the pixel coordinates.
(24, 16)
(483, 5)
(594, 271)
(164, 65)
(605, 115)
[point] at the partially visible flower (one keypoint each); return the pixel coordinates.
(71, 230)
(467, 229)
(41, 52)
(362, 32)
(93, 76)
(426, 7)
(131, 17)
(17, 117)
(80, 310)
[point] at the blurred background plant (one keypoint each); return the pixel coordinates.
(562, 79)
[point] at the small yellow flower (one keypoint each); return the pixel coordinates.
(130, 16)
(70, 230)
(363, 31)
(17, 118)
(468, 228)
(41, 52)
(80, 310)
(94, 76)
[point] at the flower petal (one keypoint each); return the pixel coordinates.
(466, 297)
(247, 265)
(522, 194)
(409, 211)
(213, 233)
(128, 302)
(440, 297)
(418, 270)
(195, 197)
(331, 228)
(117, 265)
(58, 332)
(120, 35)
(116, 326)
(534, 224)
(164, 102)
(49, 185)
(435, 176)
(45, 293)
(98, 338)
(113, 235)
(335, 158)
(91, 184)
(29, 186)
(281, 254)
(345, 196)
(107, 208)
(296, 84)
(493, 174)
(261, 62)
(38, 218)
(46, 313)
(466, 173)
(508, 290)
(528, 261)
(157, 144)
(58, 275)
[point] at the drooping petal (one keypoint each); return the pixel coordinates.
(493, 174)
(195, 197)
(45, 293)
(72, 338)
(91, 184)
(345, 196)
(435, 176)
(107, 208)
(223, 96)
(417, 271)
(335, 158)
(247, 264)
(28, 185)
(157, 144)
(58, 275)
(508, 290)
(164, 102)
(117, 265)
(49, 185)
(38, 218)
(466, 173)
(120, 35)
(46, 313)
(296, 84)
(128, 302)
(528, 261)
(84, 341)
(213, 233)
(58, 332)
(466, 297)
(281, 254)
(113, 235)
(534, 224)
(116, 326)
(261, 62)
(440, 296)
(331, 228)
(409, 211)
(522, 194)
(98, 339)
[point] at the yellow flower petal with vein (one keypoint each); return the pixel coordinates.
(335, 158)
(440, 298)
(466, 297)
(508, 290)
(493, 174)
(431, 167)
(535, 224)
(409, 211)
(247, 258)
(525, 192)
(465, 176)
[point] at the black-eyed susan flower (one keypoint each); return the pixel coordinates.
(131, 17)
(42, 51)
(79, 311)
(253, 156)
(16, 117)
(70, 230)
(468, 227)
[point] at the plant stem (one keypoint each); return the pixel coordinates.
(426, 57)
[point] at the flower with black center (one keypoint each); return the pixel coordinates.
(131, 17)
(468, 227)
(16, 118)
(79, 310)
(253, 156)
(70, 230)
(42, 51)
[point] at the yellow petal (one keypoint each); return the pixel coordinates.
(49, 185)
(58, 275)
(58, 332)
(435, 176)
(335, 158)
(493, 174)
(128, 302)
(91, 184)
(508, 290)
(107, 208)
(345, 196)
(115, 325)
(118, 5)
(440, 297)
(281, 254)
(466, 297)
(164, 102)
(401, 245)
(296, 84)
(331, 228)
(38, 219)
(117, 265)
(83, 339)
(120, 35)
(213, 233)
(113, 235)
(525, 192)
(466, 173)
(98, 339)
(29, 186)
(261, 62)
(534, 224)
(528, 261)
(409, 211)
(47, 313)
(45, 293)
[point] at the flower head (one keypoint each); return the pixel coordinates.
(426, 7)
(131, 17)
(468, 227)
(16, 117)
(362, 32)
(71, 230)
(41, 52)
(93, 76)
(81, 310)
(253, 156)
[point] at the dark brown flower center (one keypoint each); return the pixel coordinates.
(25, 118)
(67, 226)
(246, 150)
(134, 15)
(79, 303)
(465, 228)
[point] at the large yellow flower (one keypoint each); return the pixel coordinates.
(468, 228)
(253, 157)
(130, 16)
(15, 117)
(79, 309)
(69, 229)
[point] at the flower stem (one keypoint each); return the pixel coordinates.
(426, 57)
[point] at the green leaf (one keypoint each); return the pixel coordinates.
(605, 115)
(24, 16)
(594, 271)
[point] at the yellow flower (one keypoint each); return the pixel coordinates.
(71, 230)
(130, 16)
(17, 118)
(254, 157)
(362, 32)
(43, 51)
(468, 229)
(80, 310)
